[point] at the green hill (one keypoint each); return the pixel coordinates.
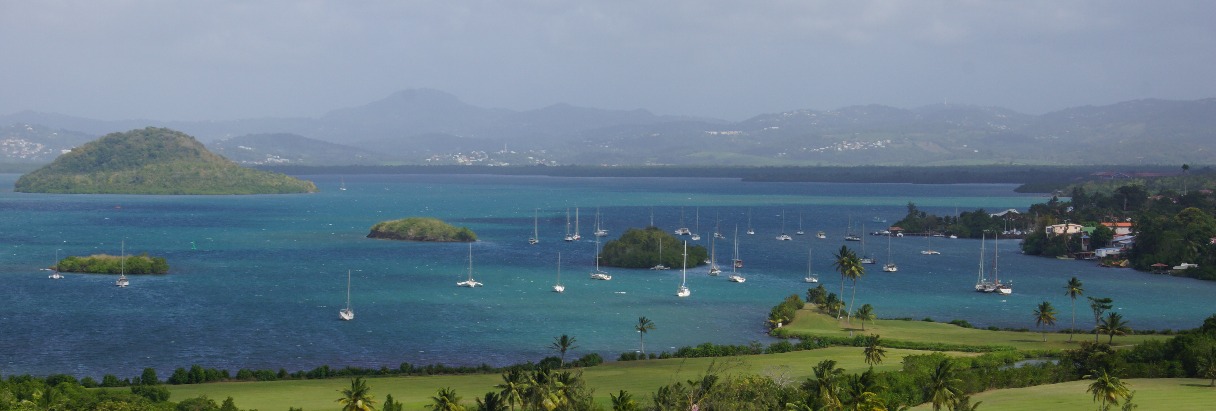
(421, 229)
(153, 161)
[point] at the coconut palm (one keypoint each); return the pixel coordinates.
(491, 402)
(826, 385)
(514, 385)
(865, 313)
(390, 404)
(1072, 290)
(1099, 306)
(445, 400)
(943, 386)
(563, 344)
(644, 324)
(1044, 314)
(623, 402)
(874, 351)
(1108, 389)
(832, 305)
(1113, 325)
(849, 266)
(964, 404)
(1207, 366)
(358, 397)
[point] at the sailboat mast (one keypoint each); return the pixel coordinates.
(347, 289)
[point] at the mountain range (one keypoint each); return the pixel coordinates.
(422, 126)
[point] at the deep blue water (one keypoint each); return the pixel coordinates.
(257, 281)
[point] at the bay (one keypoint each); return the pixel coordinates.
(257, 281)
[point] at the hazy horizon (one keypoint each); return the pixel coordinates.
(227, 60)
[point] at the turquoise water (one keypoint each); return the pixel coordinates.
(257, 281)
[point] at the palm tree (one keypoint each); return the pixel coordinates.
(491, 402)
(827, 384)
(874, 351)
(515, 383)
(358, 397)
(623, 402)
(1099, 306)
(1207, 366)
(644, 325)
(1108, 389)
(865, 313)
(446, 400)
(964, 404)
(1044, 314)
(563, 344)
(849, 266)
(390, 404)
(832, 305)
(1072, 290)
(943, 385)
(1113, 325)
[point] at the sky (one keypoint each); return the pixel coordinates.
(235, 59)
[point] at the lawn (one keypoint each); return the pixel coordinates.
(637, 377)
(811, 322)
(1178, 394)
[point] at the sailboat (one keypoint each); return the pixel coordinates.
(683, 291)
(682, 230)
(55, 275)
(568, 236)
(535, 227)
(696, 235)
(347, 313)
(342, 185)
(811, 277)
(929, 250)
(599, 274)
(599, 227)
(783, 236)
(800, 232)
(982, 284)
(470, 282)
(821, 235)
(122, 281)
(1001, 288)
(714, 270)
(735, 276)
(718, 228)
(558, 287)
(848, 233)
(890, 266)
(865, 258)
(660, 265)
(750, 231)
(576, 237)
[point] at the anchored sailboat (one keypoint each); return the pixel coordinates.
(599, 274)
(122, 281)
(811, 277)
(347, 313)
(535, 227)
(736, 276)
(683, 291)
(558, 288)
(55, 275)
(890, 266)
(783, 236)
(800, 232)
(576, 236)
(660, 265)
(696, 235)
(568, 236)
(470, 282)
(599, 225)
(714, 270)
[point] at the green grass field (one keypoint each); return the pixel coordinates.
(1175, 394)
(640, 378)
(812, 322)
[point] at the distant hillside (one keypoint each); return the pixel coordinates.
(29, 143)
(291, 149)
(152, 161)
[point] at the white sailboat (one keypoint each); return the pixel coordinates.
(800, 232)
(576, 236)
(122, 281)
(683, 291)
(929, 249)
(735, 275)
(982, 284)
(890, 266)
(599, 274)
(682, 230)
(347, 313)
(811, 277)
(599, 225)
(342, 185)
(470, 282)
(568, 236)
(696, 235)
(865, 258)
(821, 235)
(558, 287)
(714, 270)
(750, 231)
(535, 227)
(1001, 288)
(718, 228)
(783, 236)
(660, 265)
(55, 275)
(848, 233)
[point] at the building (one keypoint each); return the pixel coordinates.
(1068, 228)
(1119, 227)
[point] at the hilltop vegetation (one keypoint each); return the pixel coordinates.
(111, 264)
(639, 248)
(152, 161)
(421, 229)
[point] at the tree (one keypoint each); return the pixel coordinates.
(623, 402)
(1073, 289)
(1108, 389)
(943, 385)
(149, 377)
(563, 344)
(874, 351)
(849, 266)
(644, 325)
(515, 383)
(358, 397)
(1044, 314)
(1113, 325)
(1099, 306)
(446, 400)
(391, 404)
(865, 313)
(826, 385)
(1207, 365)
(491, 402)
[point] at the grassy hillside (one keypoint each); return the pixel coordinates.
(152, 161)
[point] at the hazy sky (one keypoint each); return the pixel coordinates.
(229, 59)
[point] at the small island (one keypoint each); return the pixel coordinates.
(112, 264)
(421, 229)
(640, 248)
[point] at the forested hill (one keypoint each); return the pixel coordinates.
(153, 161)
